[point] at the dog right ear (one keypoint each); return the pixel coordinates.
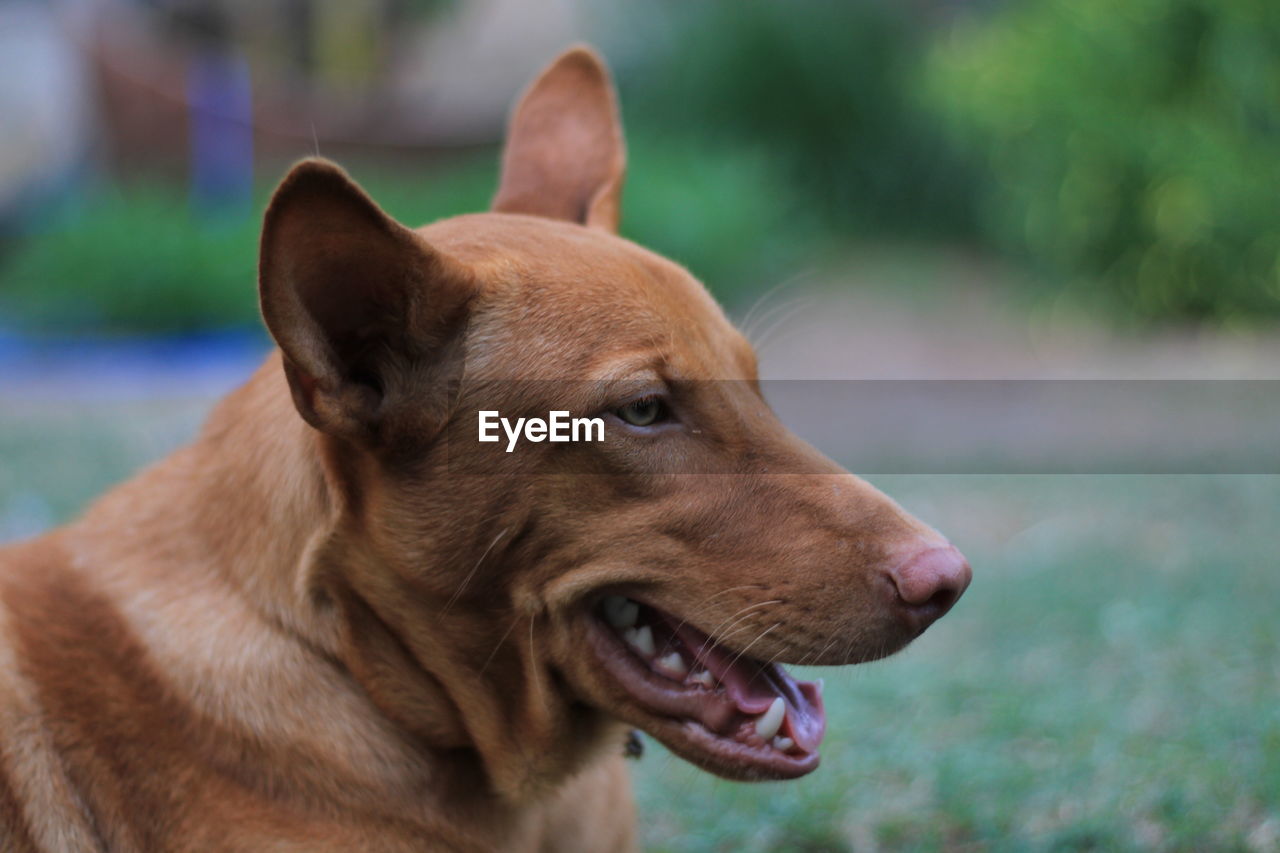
(564, 157)
(355, 300)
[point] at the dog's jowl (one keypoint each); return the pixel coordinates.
(316, 628)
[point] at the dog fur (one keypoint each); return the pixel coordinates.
(316, 628)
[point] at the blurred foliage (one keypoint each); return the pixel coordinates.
(1133, 149)
(824, 89)
(129, 261)
(139, 258)
(1126, 151)
(728, 215)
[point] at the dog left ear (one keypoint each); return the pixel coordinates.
(356, 301)
(565, 157)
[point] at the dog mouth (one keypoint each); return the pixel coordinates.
(715, 706)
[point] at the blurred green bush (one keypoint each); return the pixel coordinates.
(1130, 152)
(729, 215)
(825, 91)
(130, 259)
(1132, 149)
(138, 259)
(762, 137)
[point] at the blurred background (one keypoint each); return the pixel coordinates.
(943, 189)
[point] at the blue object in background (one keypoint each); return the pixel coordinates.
(221, 104)
(108, 368)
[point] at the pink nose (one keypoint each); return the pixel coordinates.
(929, 582)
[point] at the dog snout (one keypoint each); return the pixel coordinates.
(929, 582)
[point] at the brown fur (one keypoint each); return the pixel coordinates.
(329, 632)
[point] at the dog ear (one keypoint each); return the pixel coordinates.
(355, 300)
(565, 157)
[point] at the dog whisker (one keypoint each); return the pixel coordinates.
(774, 310)
(501, 641)
(722, 631)
(458, 592)
(537, 680)
(774, 659)
(750, 319)
(702, 604)
(758, 638)
(796, 307)
(831, 642)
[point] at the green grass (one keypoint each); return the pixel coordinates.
(55, 457)
(1108, 683)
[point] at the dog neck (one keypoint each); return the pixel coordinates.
(252, 514)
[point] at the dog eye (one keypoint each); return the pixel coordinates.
(643, 412)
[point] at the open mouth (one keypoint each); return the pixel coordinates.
(716, 706)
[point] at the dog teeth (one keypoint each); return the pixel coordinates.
(782, 744)
(770, 721)
(640, 639)
(672, 665)
(620, 612)
(705, 678)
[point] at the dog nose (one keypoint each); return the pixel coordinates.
(929, 582)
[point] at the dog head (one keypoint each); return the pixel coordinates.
(519, 603)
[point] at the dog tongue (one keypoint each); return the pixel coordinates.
(753, 687)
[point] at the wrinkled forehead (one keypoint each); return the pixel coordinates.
(560, 300)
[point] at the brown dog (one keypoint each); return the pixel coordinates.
(359, 629)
